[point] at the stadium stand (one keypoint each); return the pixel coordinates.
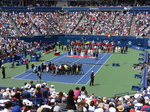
(42, 97)
(92, 23)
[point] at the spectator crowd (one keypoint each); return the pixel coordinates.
(45, 98)
(115, 23)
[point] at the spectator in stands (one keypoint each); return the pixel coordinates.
(5, 97)
(28, 106)
(77, 93)
(44, 90)
(84, 93)
(91, 106)
(111, 107)
(63, 103)
(25, 93)
(38, 94)
(46, 104)
(138, 104)
(7, 106)
(146, 104)
(31, 84)
(70, 100)
(100, 108)
(59, 97)
(120, 108)
(52, 89)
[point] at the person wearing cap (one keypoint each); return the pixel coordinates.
(46, 104)
(28, 106)
(120, 108)
(27, 66)
(3, 72)
(52, 89)
(92, 79)
(100, 108)
(5, 97)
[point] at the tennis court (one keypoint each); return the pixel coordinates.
(88, 65)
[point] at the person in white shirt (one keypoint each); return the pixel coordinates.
(52, 89)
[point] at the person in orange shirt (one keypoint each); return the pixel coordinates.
(79, 50)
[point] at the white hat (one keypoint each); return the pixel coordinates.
(112, 103)
(56, 109)
(52, 100)
(13, 88)
(79, 100)
(5, 95)
(25, 101)
(7, 89)
(120, 99)
(53, 94)
(32, 90)
(112, 109)
(38, 86)
(44, 84)
(29, 103)
(92, 71)
(135, 101)
(13, 94)
(52, 86)
(27, 86)
(126, 97)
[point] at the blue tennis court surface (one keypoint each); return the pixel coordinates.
(89, 64)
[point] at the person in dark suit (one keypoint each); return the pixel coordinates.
(27, 66)
(1, 63)
(32, 66)
(42, 67)
(39, 68)
(3, 71)
(92, 79)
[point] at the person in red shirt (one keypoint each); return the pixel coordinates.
(53, 68)
(79, 50)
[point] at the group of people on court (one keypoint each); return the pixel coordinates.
(94, 48)
(55, 69)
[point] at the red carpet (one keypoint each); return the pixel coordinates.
(82, 56)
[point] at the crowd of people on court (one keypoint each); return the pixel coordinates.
(45, 98)
(94, 23)
(58, 69)
(93, 48)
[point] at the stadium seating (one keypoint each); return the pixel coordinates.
(95, 23)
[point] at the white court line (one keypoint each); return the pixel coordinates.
(37, 65)
(60, 58)
(99, 68)
(90, 69)
(25, 76)
(77, 60)
(52, 81)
